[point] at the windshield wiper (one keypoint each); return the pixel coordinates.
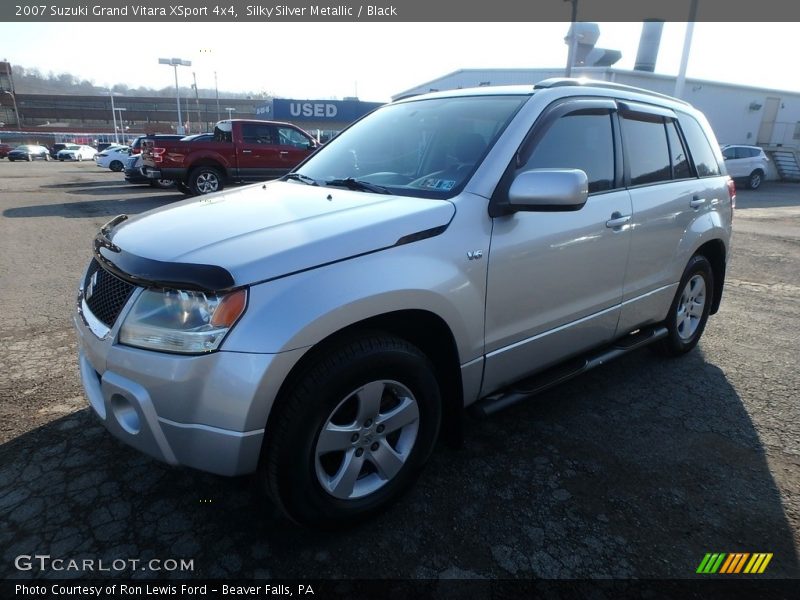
(358, 185)
(304, 178)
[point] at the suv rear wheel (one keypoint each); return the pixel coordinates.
(690, 308)
(353, 432)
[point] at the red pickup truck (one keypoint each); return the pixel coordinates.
(241, 151)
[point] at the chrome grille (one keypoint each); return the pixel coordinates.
(105, 294)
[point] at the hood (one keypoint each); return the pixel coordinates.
(265, 231)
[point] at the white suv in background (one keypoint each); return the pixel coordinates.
(748, 163)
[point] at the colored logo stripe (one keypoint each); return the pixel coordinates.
(758, 563)
(720, 562)
(710, 563)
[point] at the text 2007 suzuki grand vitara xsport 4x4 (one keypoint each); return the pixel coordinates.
(443, 251)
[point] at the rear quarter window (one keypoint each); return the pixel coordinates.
(705, 161)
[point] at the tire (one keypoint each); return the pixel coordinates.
(689, 311)
(47, 158)
(361, 464)
(162, 183)
(116, 166)
(30, 158)
(205, 180)
(183, 188)
(755, 180)
(78, 158)
(60, 159)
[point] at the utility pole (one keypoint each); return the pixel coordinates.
(687, 44)
(216, 90)
(196, 99)
(573, 38)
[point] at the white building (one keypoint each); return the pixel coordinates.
(738, 114)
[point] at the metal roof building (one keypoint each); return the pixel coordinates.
(738, 114)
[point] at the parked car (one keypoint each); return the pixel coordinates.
(323, 329)
(4, 150)
(241, 151)
(29, 152)
(113, 158)
(56, 148)
(133, 174)
(746, 163)
(76, 152)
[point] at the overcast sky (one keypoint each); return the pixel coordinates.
(376, 60)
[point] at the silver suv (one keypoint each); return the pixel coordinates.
(460, 248)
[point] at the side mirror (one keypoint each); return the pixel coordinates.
(548, 190)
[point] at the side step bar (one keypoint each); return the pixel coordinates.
(540, 382)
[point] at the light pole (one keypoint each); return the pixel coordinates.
(121, 127)
(114, 116)
(230, 110)
(175, 63)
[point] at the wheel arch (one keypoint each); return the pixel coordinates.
(423, 329)
(714, 252)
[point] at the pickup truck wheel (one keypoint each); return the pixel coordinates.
(183, 188)
(205, 180)
(161, 183)
(116, 166)
(689, 311)
(353, 432)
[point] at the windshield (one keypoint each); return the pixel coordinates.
(422, 148)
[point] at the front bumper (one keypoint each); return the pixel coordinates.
(197, 411)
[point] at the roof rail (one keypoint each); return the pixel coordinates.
(554, 82)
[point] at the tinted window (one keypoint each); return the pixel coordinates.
(578, 141)
(729, 153)
(699, 147)
(646, 149)
(255, 133)
(680, 162)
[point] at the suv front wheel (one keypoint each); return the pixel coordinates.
(353, 432)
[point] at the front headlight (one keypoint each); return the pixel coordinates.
(182, 321)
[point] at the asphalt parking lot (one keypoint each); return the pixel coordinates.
(637, 469)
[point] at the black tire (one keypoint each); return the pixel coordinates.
(756, 179)
(296, 474)
(79, 158)
(30, 157)
(10, 159)
(116, 166)
(183, 188)
(47, 157)
(60, 159)
(162, 184)
(205, 180)
(684, 332)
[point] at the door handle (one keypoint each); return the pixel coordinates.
(697, 202)
(247, 151)
(284, 153)
(617, 220)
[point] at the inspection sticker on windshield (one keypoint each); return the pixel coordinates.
(438, 184)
